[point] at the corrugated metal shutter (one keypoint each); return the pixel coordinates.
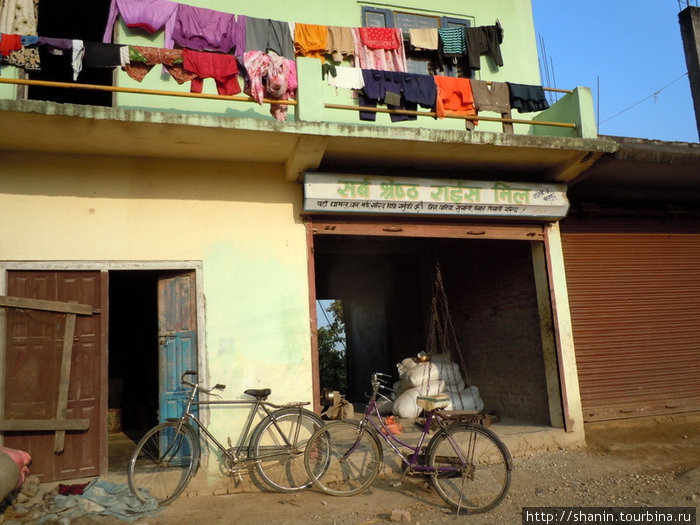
(635, 309)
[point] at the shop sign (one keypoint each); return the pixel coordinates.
(342, 193)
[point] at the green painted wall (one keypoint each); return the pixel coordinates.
(519, 53)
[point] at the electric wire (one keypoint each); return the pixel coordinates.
(654, 94)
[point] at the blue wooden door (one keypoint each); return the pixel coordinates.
(177, 337)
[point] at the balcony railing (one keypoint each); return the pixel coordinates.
(574, 128)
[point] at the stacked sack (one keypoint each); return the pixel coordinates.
(428, 378)
(461, 397)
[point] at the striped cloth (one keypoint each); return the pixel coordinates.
(452, 39)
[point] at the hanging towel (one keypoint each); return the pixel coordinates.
(527, 98)
(347, 77)
(339, 43)
(311, 41)
(203, 29)
(424, 38)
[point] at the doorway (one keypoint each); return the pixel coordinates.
(152, 340)
(385, 284)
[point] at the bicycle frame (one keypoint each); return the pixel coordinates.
(373, 418)
(233, 453)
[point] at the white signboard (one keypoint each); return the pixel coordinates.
(341, 193)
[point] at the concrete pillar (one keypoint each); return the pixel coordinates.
(689, 20)
(563, 331)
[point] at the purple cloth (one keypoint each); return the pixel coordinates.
(64, 44)
(204, 29)
(151, 15)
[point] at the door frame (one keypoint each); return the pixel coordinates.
(104, 266)
(548, 261)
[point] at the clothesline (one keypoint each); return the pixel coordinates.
(142, 91)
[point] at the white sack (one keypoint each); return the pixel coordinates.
(405, 365)
(450, 373)
(400, 386)
(468, 399)
(405, 405)
(456, 387)
(421, 373)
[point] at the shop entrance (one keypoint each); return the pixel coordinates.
(385, 283)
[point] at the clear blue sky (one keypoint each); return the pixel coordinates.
(633, 49)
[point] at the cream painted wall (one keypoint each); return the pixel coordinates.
(241, 221)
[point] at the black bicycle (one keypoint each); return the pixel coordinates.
(168, 455)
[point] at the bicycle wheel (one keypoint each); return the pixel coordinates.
(278, 444)
(480, 480)
(342, 459)
(163, 462)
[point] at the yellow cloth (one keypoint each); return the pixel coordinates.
(310, 41)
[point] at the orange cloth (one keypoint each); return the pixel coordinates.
(454, 95)
(311, 41)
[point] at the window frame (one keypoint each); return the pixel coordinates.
(389, 20)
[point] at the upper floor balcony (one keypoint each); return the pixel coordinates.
(318, 119)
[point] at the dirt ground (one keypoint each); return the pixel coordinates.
(646, 462)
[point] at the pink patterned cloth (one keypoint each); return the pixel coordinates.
(383, 59)
(270, 76)
(22, 459)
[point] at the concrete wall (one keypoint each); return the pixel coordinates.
(240, 221)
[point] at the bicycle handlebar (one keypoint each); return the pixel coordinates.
(184, 381)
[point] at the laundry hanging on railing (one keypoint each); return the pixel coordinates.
(527, 98)
(19, 17)
(398, 91)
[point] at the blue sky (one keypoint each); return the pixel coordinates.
(634, 48)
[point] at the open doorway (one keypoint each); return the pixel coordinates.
(133, 360)
(385, 284)
(152, 340)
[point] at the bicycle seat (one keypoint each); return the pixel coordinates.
(258, 393)
(435, 402)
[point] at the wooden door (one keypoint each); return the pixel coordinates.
(33, 363)
(177, 336)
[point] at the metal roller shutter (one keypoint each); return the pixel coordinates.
(635, 310)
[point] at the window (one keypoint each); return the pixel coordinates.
(421, 62)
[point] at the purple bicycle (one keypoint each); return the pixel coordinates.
(468, 464)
